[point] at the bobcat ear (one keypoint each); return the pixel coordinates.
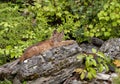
(62, 33)
(54, 32)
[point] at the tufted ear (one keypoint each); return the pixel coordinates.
(62, 33)
(54, 35)
(54, 32)
(61, 36)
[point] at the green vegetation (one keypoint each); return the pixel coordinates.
(5, 82)
(108, 22)
(25, 22)
(92, 64)
(116, 80)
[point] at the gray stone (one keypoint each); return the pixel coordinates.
(103, 76)
(51, 62)
(76, 82)
(87, 47)
(111, 48)
(96, 41)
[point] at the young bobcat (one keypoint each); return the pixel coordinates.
(54, 41)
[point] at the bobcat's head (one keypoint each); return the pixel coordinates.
(57, 36)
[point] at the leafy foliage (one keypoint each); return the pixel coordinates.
(116, 80)
(6, 82)
(108, 23)
(93, 63)
(28, 24)
(25, 22)
(17, 31)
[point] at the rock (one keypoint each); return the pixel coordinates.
(113, 75)
(56, 66)
(45, 64)
(87, 48)
(107, 77)
(51, 67)
(102, 76)
(111, 48)
(76, 82)
(96, 41)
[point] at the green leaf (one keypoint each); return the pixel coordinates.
(94, 50)
(93, 72)
(91, 34)
(107, 18)
(101, 68)
(80, 57)
(103, 29)
(8, 82)
(13, 54)
(24, 82)
(89, 75)
(106, 67)
(94, 75)
(114, 24)
(118, 21)
(107, 34)
(90, 56)
(105, 13)
(94, 62)
(101, 18)
(97, 34)
(2, 51)
(112, 16)
(100, 54)
(91, 26)
(59, 14)
(87, 63)
(105, 6)
(8, 47)
(7, 52)
(82, 76)
(109, 29)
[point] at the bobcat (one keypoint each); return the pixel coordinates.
(56, 40)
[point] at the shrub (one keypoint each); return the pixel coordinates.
(108, 22)
(23, 22)
(17, 31)
(92, 64)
